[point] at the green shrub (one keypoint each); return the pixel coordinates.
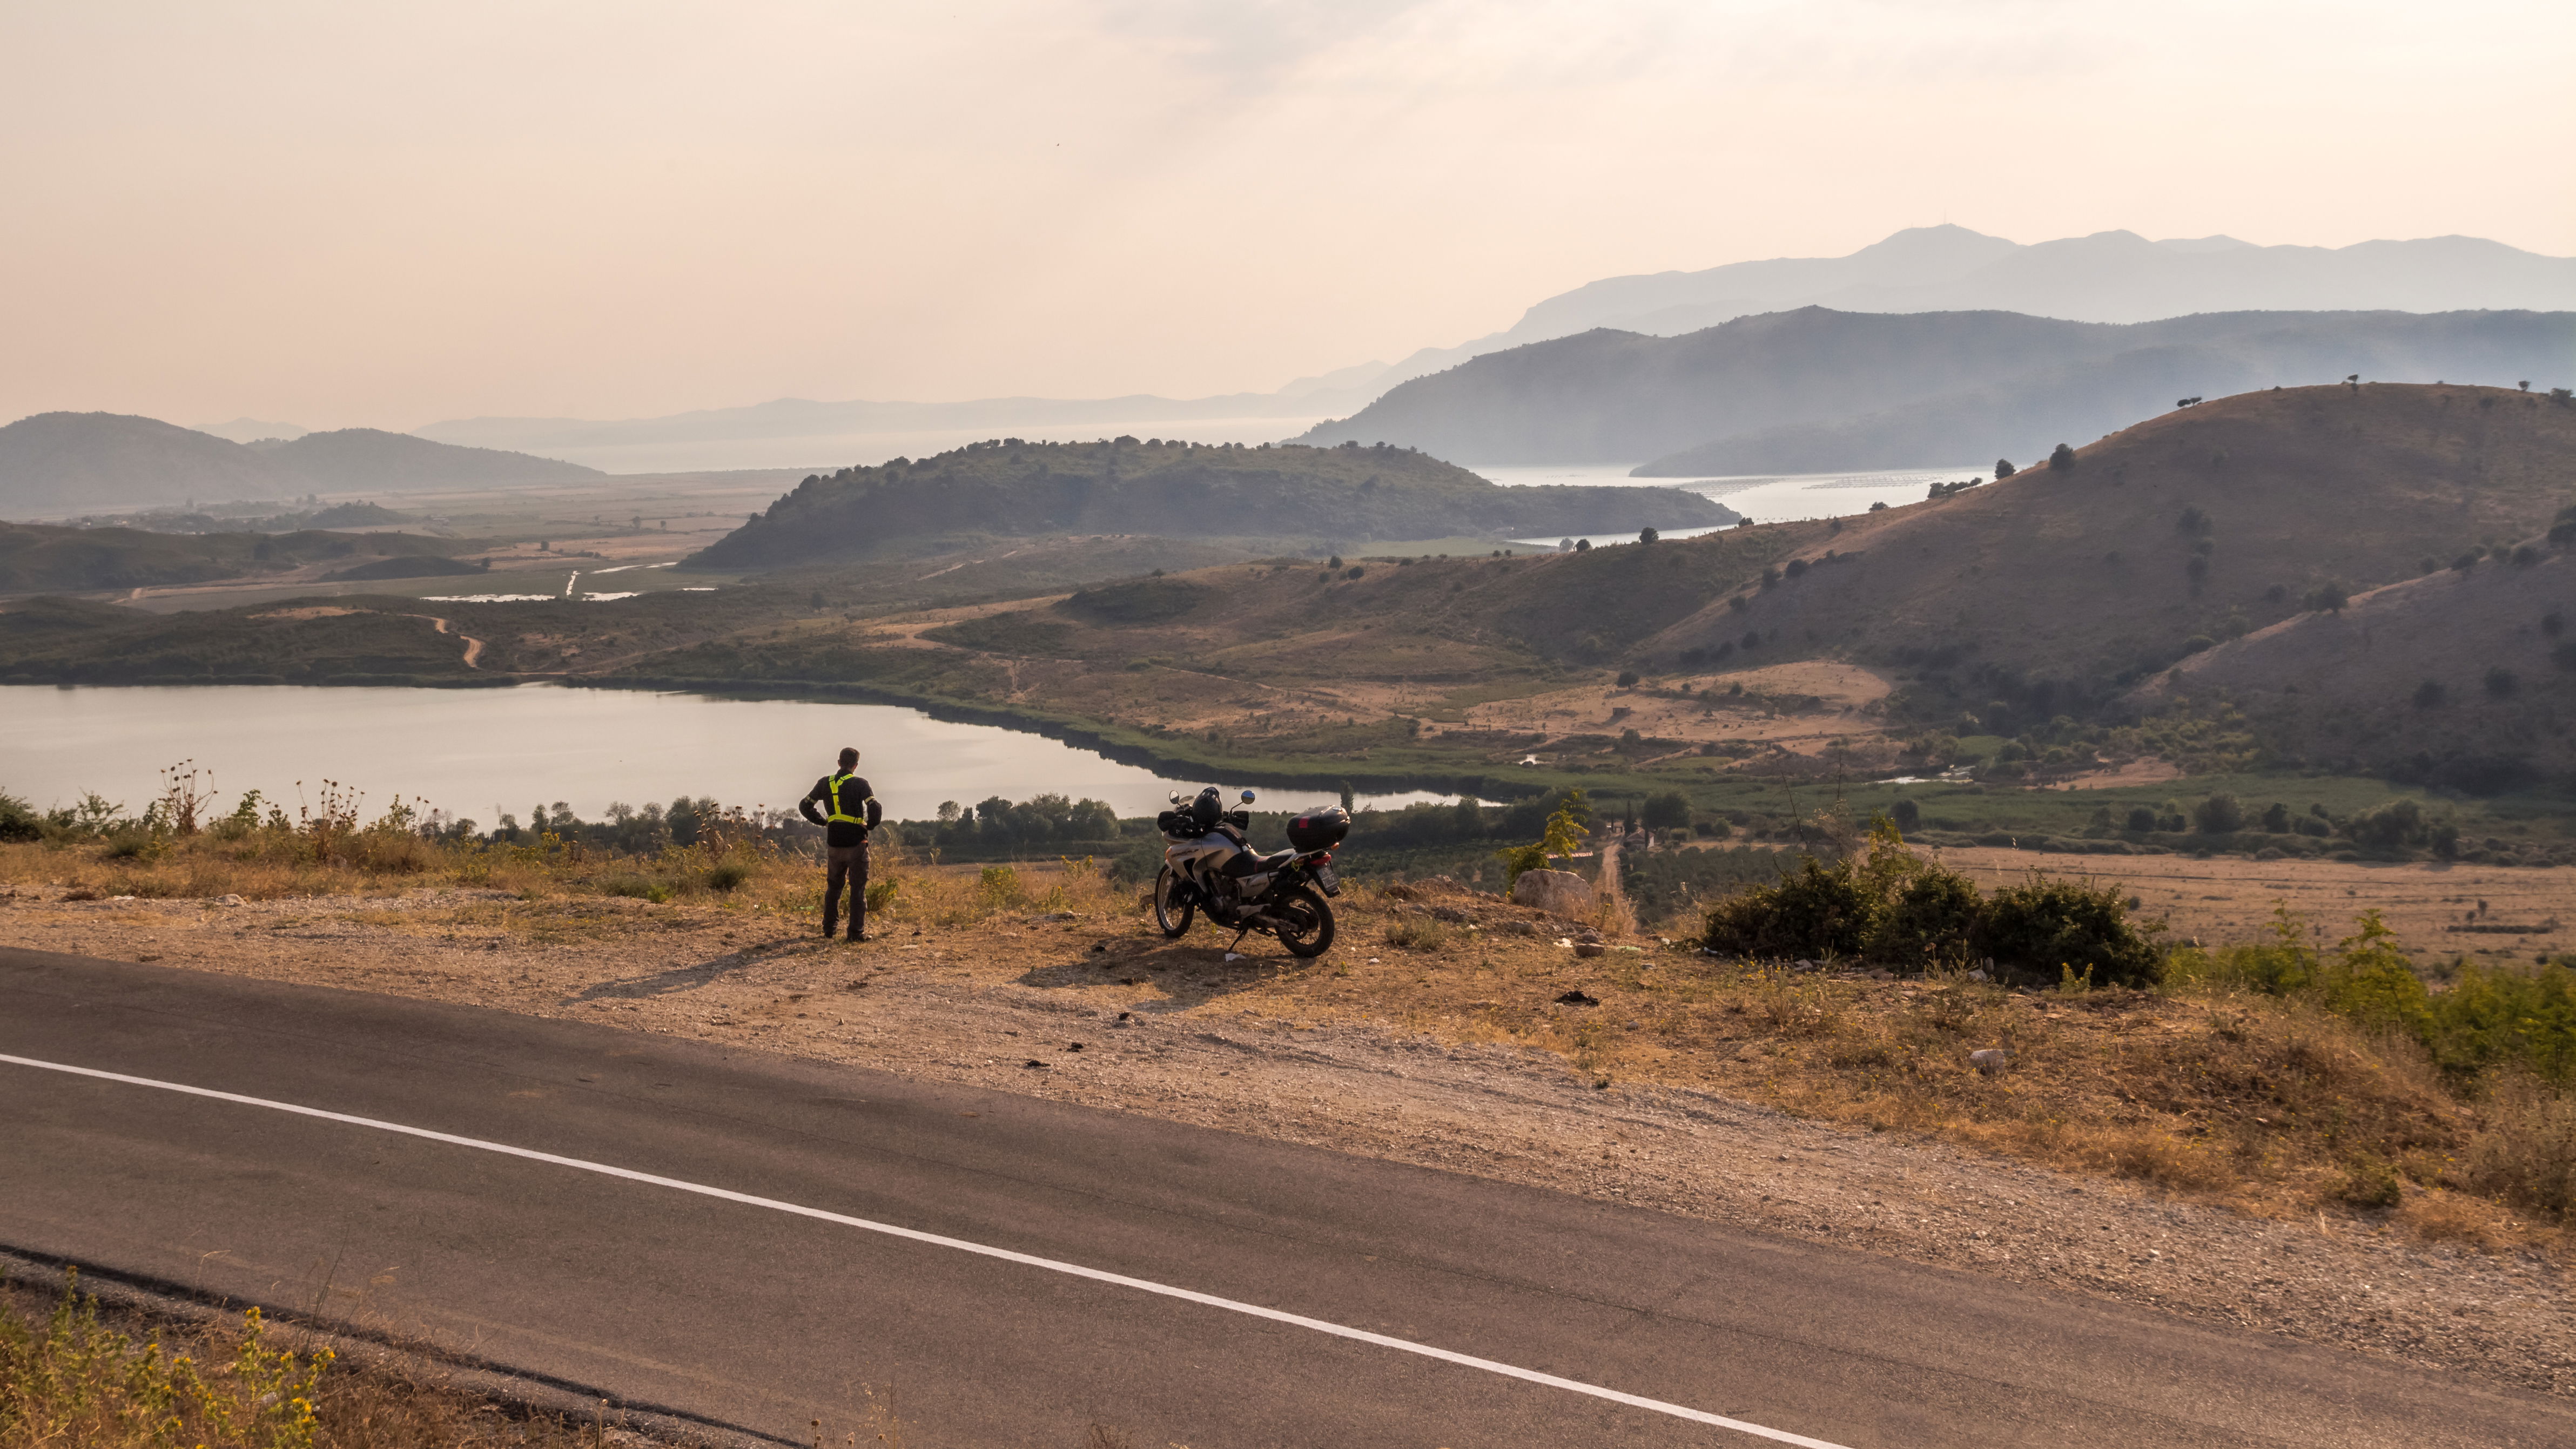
(1818, 911)
(727, 875)
(999, 887)
(2493, 1018)
(1911, 914)
(1930, 921)
(2051, 926)
(18, 819)
(2219, 814)
(634, 887)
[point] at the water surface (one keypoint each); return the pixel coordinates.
(479, 752)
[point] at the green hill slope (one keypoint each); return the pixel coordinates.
(2465, 677)
(1335, 497)
(2202, 525)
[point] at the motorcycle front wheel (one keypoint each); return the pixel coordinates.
(1175, 902)
(1305, 923)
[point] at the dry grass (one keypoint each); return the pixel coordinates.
(2269, 1104)
(74, 1377)
(2274, 1106)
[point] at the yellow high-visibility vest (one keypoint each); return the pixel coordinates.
(856, 813)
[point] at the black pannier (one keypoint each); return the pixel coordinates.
(1319, 829)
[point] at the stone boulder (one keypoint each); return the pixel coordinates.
(1557, 892)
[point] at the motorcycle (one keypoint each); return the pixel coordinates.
(1209, 865)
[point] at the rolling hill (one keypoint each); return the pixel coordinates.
(2204, 524)
(2464, 677)
(1813, 390)
(37, 558)
(55, 461)
(1338, 497)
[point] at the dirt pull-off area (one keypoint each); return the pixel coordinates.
(1090, 1006)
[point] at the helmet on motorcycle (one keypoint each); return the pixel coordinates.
(1208, 808)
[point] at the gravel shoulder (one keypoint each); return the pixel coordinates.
(1038, 1006)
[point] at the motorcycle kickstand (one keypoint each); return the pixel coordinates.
(1238, 938)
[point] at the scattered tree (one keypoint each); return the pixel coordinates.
(1647, 535)
(2219, 814)
(2430, 694)
(2061, 457)
(2327, 598)
(2003, 469)
(1627, 679)
(2502, 682)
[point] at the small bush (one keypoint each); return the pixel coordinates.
(2372, 1182)
(18, 819)
(2430, 694)
(635, 887)
(727, 875)
(2527, 1152)
(2052, 926)
(1416, 933)
(1000, 888)
(2502, 682)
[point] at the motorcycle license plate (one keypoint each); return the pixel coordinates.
(1331, 883)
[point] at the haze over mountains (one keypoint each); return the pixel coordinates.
(55, 461)
(1936, 346)
(2108, 277)
(1816, 390)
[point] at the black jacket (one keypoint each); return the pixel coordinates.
(854, 799)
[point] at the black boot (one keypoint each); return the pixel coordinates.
(858, 923)
(831, 916)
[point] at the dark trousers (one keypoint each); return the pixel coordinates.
(846, 864)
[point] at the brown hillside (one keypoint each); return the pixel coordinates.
(2087, 574)
(2349, 689)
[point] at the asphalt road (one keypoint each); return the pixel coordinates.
(767, 1319)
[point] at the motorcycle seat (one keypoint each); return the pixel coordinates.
(1245, 862)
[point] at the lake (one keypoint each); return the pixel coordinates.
(478, 752)
(1764, 498)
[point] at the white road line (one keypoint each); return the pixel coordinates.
(1255, 1310)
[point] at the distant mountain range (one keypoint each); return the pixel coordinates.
(57, 461)
(2110, 276)
(1814, 389)
(2113, 277)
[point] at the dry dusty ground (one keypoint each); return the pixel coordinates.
(2231, 898)
(1096, 1009)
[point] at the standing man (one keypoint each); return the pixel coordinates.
(849, 811)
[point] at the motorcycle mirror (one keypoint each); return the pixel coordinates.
(1176, 797)
(1247, 797)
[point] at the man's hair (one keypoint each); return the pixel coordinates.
(849, 758)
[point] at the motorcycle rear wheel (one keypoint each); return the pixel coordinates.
(1175, 902)
(1305, 923)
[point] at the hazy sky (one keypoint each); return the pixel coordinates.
(348, 213)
